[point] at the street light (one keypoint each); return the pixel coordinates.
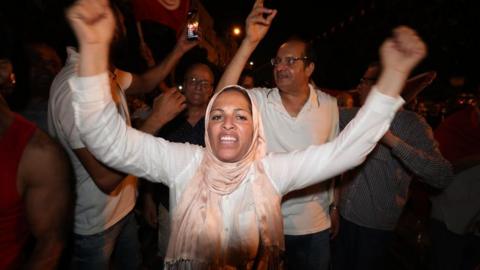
(236, 31)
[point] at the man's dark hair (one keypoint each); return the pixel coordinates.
(193, 65)
(309, 51)
(246, 73)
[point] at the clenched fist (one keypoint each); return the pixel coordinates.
(92, 21)
(403, 51)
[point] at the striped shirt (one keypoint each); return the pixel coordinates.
(374, 193)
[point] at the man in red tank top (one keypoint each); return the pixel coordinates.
(35, 194)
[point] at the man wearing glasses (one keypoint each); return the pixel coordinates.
(197, 88)
(295, 115)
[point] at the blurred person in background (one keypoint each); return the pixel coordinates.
(374, 194)
(36, 192)
(455, 216)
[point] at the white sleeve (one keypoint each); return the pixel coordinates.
(65, 117)
(61, 119)
(119, 146)
(299, 169)
(260, 95)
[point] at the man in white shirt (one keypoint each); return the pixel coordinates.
(295, 115)
(104, 224)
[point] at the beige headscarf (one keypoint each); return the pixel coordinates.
(195, 240)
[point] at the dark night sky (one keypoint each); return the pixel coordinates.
(346, 33)
(450, 29)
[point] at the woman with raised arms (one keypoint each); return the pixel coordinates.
(226, 196)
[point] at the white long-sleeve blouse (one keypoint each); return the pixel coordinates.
(131, 151)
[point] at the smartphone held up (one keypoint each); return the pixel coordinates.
(192, 25)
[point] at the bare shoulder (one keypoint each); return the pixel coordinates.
(42, 145)
(43, 161)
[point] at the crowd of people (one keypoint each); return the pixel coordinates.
(223, 173)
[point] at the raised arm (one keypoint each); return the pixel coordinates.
(256, 27)
(146, 82)
(107, 179)
(47, 190)
(93, 24)
(317, 163)
(165, 107)
(102, 129)
(399, 56)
